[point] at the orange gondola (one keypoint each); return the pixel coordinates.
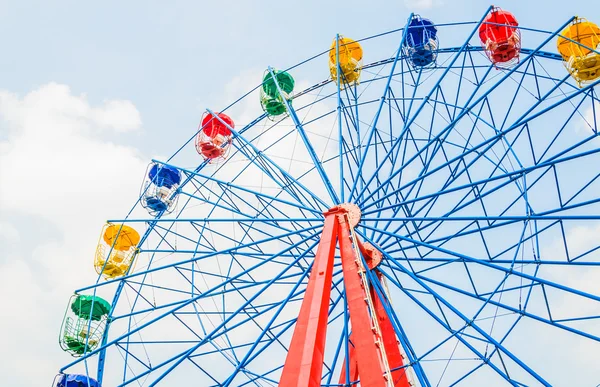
(578, 46)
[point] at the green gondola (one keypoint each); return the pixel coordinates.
(84, 324)
(273, 102)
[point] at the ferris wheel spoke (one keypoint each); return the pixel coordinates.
(237, 286)
(352, 175)
(273, 230)
(263, 209)
(508, 177)
(499, 268)
(402, 199)
(479, 332)
(476, 190)
(373, 127)
(253, 353)
(294, 188)
(208, 293)
(340, 75)
(255, 204)
(308, 145)
(409, 121)
(583, 258)
(389, 155)
(255, 207)
(351, 147)
(204, 179)
(481, 194)
(545, 153)
(488, 143)
(405, 136)
(353, 157)
(271, 169)
(384, 297)
(468, 108)
(486, 298)
(436, 143)
(209, 254)
(520, 88)
(418, 182)
(209, 336)
(408, 205)
(459, 333)
(474, 292)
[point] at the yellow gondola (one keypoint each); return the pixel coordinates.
(575, 45)
(123, 240)
(350, 60)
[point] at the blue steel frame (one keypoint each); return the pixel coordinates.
(465, 175)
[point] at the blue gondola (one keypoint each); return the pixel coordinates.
(421, 44)
(159, 190)
(164, 175)
(71, 380)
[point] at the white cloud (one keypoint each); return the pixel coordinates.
(53, 162)
(54, 103)
(422, 4)
(119, 115)
(8, 232)
(55, 168)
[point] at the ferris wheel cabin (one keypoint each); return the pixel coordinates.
(74, 380)
(214, 139)
(119, 243)
(501, 37)
(159, 190)
(350, 60)
(576, 46)
(271, 100)
(84, 324)
(421, 43)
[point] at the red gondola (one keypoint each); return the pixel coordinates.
(214, 139)
(501, 37)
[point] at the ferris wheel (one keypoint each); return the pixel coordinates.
(426, 216)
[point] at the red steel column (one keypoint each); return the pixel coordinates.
(365, 345)
(304, 363)
(390, 343)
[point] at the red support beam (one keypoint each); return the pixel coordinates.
(304, 362)
(390, 343)
(366, 350)
(371, 341)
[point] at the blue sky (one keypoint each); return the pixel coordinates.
(137, 76)
(172, 59)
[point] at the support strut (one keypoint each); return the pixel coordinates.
(370, 356)
(374, 353)
(304, 362)
(388, 335)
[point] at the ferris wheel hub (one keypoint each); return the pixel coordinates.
(372, 254)
(352, 212)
